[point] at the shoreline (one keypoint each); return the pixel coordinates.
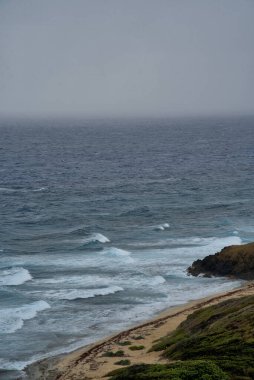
(88, 361)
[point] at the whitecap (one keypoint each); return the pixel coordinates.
(159, 228)
(156, 280)
(193, 241)
(118, 253)
(80, 280)
(39, 189)
(14, 276)
(96, 237)
(73, 294)
(13, 365)
(12, 319)
(162, 227)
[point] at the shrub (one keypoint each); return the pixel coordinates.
(111, 354)
(136, 348)
(123, 362)
(220, 333)
(138, 337)
(124, 343)
(188, 370)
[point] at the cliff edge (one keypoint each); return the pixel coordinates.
(234, 261)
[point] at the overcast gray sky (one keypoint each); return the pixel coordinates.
(89, 58)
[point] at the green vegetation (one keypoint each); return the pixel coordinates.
(136, 348)
(123, 362)
(223, 334)
(215, 343)
(138, 337)
(188, 370)
(111, 354)
(124, 343)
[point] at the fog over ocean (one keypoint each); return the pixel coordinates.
(100, 219)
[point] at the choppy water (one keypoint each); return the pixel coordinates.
(99, 221)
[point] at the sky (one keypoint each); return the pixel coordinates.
(126, 58)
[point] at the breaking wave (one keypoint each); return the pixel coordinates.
(118, 253)
(162, 227)
(73, 294)
(12, 319)
(95, 238)
(14, 276)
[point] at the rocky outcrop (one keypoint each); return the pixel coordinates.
(234, 261)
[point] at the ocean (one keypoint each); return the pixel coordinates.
(100, 219)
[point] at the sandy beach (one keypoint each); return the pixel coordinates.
(92, 362)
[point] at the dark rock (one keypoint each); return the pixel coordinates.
(234, 261)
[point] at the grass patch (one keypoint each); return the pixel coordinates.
(223, 334)
(136, 348)
(189, 370)
(123, 362)
(138, 337)
(111, 354)
(124, 343)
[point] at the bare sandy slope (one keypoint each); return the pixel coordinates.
(90, 362)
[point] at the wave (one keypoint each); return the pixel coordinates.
(139, 211)
(18, 189)
(17, 365)
(74, 294)
(193, 241)
(7, 189)
(162, 227)
(100, 282)
(118, 253)
(79, 280)
(40, 189)
(217, 244)
(96, 238)
(14, 276)
(156, 280)
(12, 319)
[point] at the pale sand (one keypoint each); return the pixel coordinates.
(89, 362)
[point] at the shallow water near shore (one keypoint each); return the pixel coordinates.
(99, 221)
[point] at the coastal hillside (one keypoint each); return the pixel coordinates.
(213, 343)
(234, 261)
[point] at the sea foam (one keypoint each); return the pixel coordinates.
(162, 227)
(12, 319)
(156, 280)
(79, 280)
(40, 189)
(73, 294)
(14, 276)
(117, 253)
(94, 238)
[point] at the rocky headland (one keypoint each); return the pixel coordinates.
(235, 261)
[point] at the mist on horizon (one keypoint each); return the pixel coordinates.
(116, 58)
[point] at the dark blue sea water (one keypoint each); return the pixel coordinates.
(100, 219)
